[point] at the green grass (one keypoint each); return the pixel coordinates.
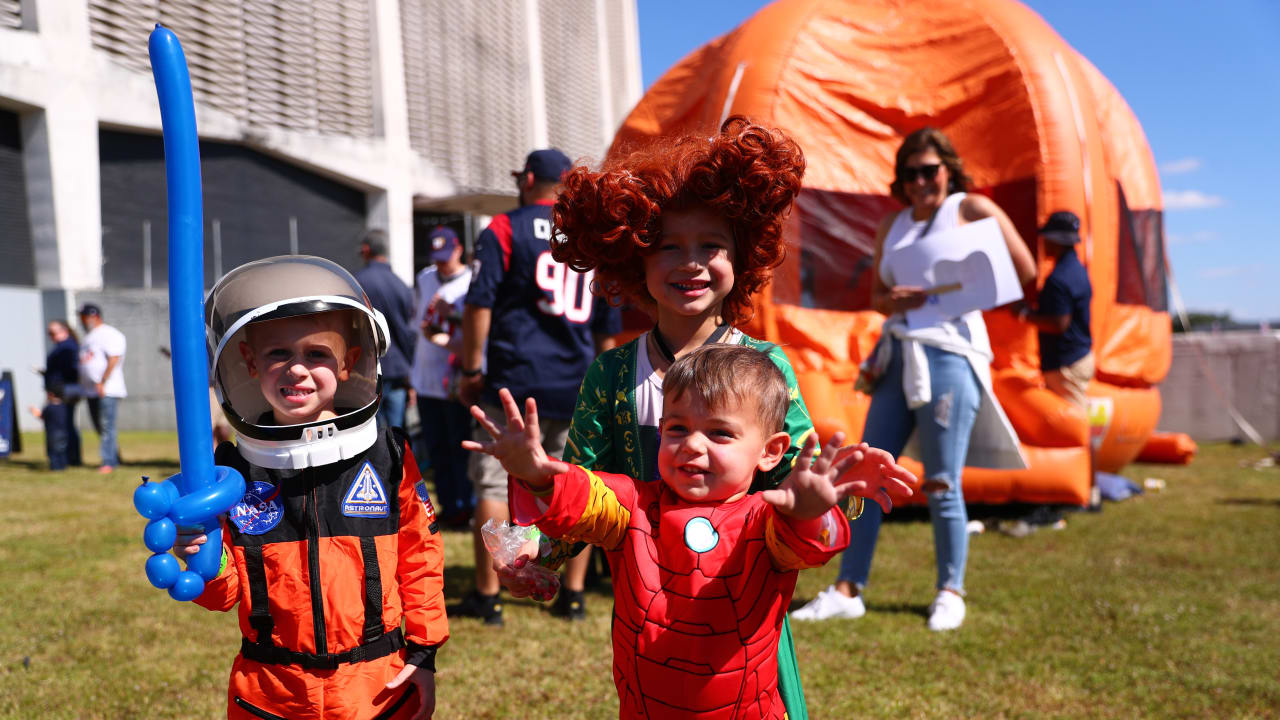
(1160, 606)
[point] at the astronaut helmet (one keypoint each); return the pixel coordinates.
(244, 311)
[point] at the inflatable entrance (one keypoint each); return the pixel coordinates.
(1039, 129)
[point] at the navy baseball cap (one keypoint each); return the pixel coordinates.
(443, 242)
(549, 164)
(1062, 228)
(90, 309)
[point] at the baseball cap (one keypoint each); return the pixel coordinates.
(443, 242)
(90, 309)
(1062, 228)
(548, 164)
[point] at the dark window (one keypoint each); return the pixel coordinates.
(17, 259)
(1140, 265)
(830, 234)
(261, 206)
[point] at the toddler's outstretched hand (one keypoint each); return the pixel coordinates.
(875, 476)
(810, 490)
(518, 446)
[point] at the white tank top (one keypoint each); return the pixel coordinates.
(967, 333)
(906, 231)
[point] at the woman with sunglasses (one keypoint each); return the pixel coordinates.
(934, 381)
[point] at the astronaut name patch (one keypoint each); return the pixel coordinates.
(366, 497)
(259, 510)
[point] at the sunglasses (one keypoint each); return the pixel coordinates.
(910, 173)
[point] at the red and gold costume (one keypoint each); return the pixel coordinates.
(325, 563)
(700, 589)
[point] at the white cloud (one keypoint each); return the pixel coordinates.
(1191, 200)
(1226, 271)
(1181, 166)
(1198, 237)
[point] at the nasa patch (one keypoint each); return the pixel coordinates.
(259, 510)
(366, 497)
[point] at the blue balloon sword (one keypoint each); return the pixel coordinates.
(197, 495)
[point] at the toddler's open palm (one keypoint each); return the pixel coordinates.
(518, 446)
(811, 489)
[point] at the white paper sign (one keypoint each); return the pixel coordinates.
(973, 255)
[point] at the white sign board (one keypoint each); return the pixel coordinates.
(972, 256)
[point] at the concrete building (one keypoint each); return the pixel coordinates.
(318, 119)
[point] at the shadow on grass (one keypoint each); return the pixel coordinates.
(27, 464)
(901, 608)
(1274, 502)
(164, 464)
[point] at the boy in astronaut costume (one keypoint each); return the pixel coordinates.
(335, 543)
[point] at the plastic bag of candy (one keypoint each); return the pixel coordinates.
(510, 545)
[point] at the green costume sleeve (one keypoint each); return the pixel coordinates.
(590, 442)
(797, 423)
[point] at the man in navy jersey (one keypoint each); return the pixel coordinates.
(531, 325)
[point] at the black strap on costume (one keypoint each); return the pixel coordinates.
(375, 642)
(276, 655)
(260, 616)
(372, 589)
(665, 350)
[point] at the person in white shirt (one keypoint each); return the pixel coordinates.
(441, 290)
(102, 379)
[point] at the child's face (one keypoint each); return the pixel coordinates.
(299, 362)
(711, 454)
(691, 270)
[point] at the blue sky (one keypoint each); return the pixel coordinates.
(1203, 79)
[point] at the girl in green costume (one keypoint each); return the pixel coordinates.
(688, 231)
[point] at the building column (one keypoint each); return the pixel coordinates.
(60, 153)
(391, 208)
(60, 157)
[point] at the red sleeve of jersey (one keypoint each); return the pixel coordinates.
(797, 544)
(583, 506)
(222, 592)
(420, 566)
(501, 227)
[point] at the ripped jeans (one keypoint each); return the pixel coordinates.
(943, 426)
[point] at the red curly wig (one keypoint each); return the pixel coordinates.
(608, 221)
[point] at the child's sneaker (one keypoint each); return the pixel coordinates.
(946, 612)
(485, 607)
(570, 605)
(831, 603)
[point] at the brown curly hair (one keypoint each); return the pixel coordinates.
(608, 221)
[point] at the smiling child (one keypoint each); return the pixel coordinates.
(703, 571)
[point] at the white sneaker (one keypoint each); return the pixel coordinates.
(946, 612)
(831, 603)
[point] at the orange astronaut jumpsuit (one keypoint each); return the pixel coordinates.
(325, 563)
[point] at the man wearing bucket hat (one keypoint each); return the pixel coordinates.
(1062, 313)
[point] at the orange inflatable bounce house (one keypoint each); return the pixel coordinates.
(1039, 129)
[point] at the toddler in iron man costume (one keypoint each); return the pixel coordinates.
(703, 572)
